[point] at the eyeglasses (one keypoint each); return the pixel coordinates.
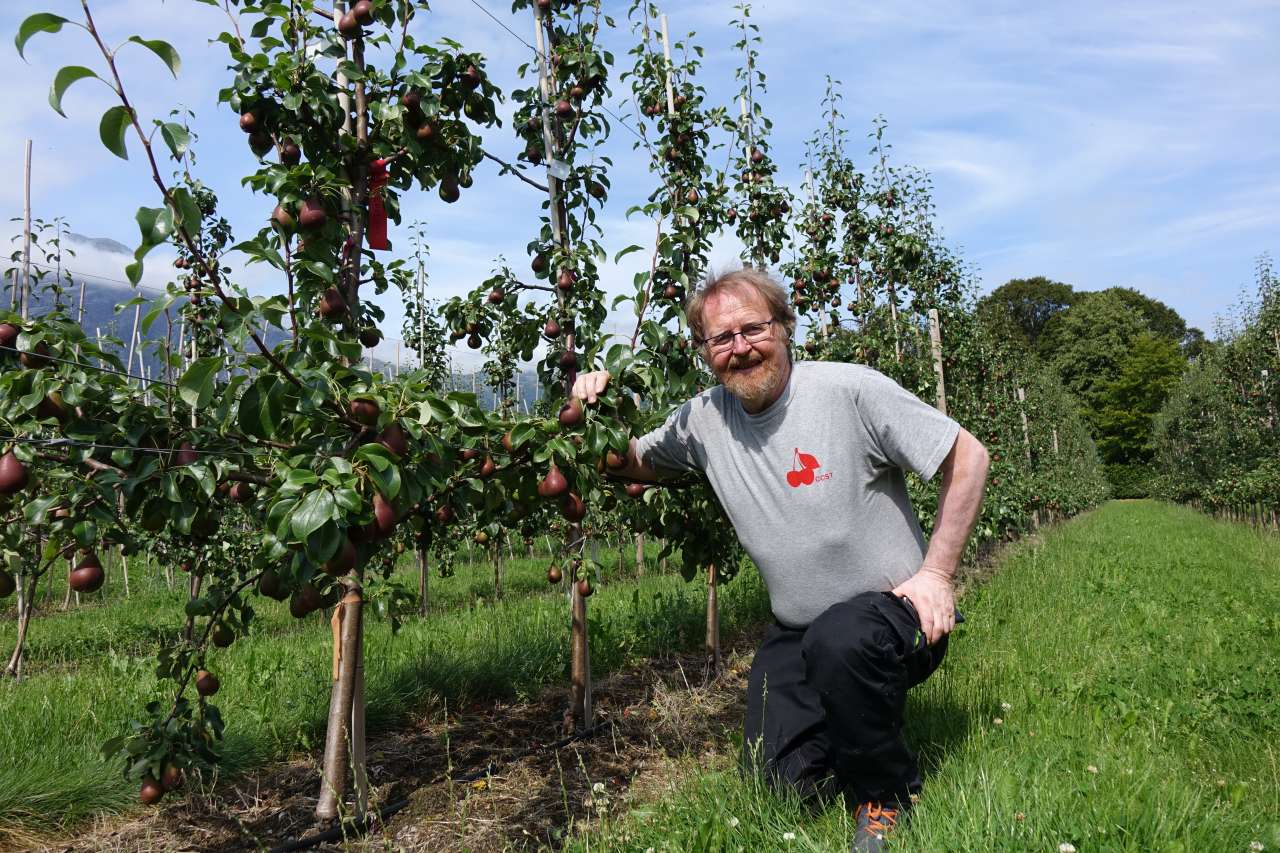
(751, 333)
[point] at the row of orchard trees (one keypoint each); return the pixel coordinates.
(1217, 438)
(321, 468)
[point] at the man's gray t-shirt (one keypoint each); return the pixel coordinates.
(814, 484)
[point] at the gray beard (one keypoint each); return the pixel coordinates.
(756, 389)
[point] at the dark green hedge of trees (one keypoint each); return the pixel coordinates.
(1217, 438)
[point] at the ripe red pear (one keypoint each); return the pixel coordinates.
(571, 413)
(362, 11)
(364, 411)
(331, 306)
(384, 515)
(207, 683)
(508, 442)
(283, 219)
(444, 514)
(496, 296)
(551, 329)
(269, 585)
(87, 576)
(151, 791)
(553, 484)
(635, 490)
(171, 777)
(9, 334)
(13, 474)
(554, 575)
(290, 153)
(573, 509)
(370, 337)
(471, 77)
(566, 279)
(348, 26)
(615, 460)
(564, 109)
(343, 561)
(186, 454)
(394, 439)
(584, 588)
(249, 121)
(36, 357)
(241, 493)
(305, 601)
(222, 635)
(312, 215)
(568, 360)
(488, 467)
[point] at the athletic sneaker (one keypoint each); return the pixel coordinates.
(875, 821)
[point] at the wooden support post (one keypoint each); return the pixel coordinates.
(1026, 434)
(26, 237)
(1055, 441)
(579, 716)
(713, 664)
(935, 343)
(423, 575)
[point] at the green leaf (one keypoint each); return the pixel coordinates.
(41, 22)
(156, 226)
(626, 251)
(63, 80)
(177, 137)
(115, 123)
(162, 49)
(196, 385)
(312, 512)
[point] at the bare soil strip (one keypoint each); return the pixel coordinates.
(655, 719)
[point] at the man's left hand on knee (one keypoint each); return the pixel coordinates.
(931, 594)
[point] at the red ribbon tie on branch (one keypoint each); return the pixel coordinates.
(376, 227)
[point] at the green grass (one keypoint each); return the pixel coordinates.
(1132, 658)
(88, 677)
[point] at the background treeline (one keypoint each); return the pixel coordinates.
(1117, 352)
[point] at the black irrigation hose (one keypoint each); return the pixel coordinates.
(359, 826)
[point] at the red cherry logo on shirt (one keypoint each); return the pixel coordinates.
(802, 467)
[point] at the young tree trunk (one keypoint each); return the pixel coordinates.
(579, 717)
(639, 554)
(26, 606)
(124, 570)
(193, 592)
(713, 665)
(337, 748)
(423, 573)
(359, 770)
(496, 556)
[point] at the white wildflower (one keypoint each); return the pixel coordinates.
(1006, 707)
(1092, 768)
(1066, 847)
(788, 836)
(1256, 846)
(733, 822)
(598, 788)
(998, 721)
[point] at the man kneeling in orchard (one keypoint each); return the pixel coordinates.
(808, 461)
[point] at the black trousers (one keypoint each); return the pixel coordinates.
(825, 703)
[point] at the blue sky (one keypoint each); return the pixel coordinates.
(1095, 143)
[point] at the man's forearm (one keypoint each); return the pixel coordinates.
(964, 478)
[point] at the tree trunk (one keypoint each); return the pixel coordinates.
(579, 717)
(496, 556)
(423, 572)
(337, 747)
(193, 592)
(26, 605)
(639, 554)
(713, 665)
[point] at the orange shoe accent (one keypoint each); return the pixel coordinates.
(879, 818)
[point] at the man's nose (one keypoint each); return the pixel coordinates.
(740, 344)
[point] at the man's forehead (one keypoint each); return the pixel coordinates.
(734, 303)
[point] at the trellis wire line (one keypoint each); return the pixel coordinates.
(86, 364)
(71, 442)
(82, 274)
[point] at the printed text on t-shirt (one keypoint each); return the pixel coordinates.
(803, 466)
